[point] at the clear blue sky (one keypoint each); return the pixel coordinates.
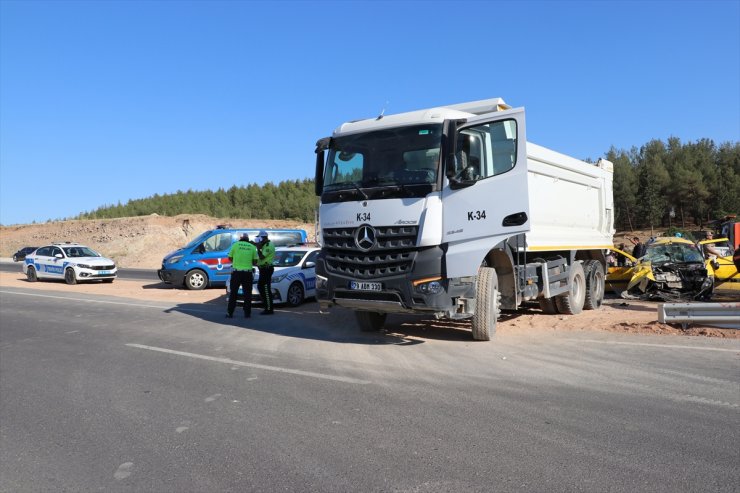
(106, 101)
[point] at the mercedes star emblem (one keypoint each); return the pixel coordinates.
(365, 237)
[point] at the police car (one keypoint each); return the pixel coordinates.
(294, 278)
(69, 261)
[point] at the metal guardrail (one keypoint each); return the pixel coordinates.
(725, 315)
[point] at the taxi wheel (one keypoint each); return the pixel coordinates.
(295, 294)
(70, 277)
(196, 280)
(31, 274)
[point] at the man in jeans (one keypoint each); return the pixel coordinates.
(266, 252)
(243, 255)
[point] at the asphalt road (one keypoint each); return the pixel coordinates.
(100, 393)
(131, 274)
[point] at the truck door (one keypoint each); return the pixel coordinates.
(485, 198)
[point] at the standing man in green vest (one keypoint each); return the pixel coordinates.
(243, 255)
(266, 252)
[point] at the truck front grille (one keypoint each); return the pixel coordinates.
(393, 253)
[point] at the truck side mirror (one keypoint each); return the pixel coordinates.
(321, 146)
(319, 178)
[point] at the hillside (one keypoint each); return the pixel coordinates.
(137, 242)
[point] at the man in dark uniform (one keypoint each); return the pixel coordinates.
(266, 252)
(243, 255)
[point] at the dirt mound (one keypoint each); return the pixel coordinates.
(138, 242)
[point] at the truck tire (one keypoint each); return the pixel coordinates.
(595, 284)
(487, 304)
(571, 303)
(370, 321)
(196, 280)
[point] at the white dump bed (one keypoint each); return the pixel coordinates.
(570, 201)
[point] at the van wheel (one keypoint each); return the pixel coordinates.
(487, 304)
(196, 280)
(595, 284)
(70, 277)
(572, 302)
(295, 294)
(370, 321)
(31, 274)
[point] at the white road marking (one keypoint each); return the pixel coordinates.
(124, 471)
(212, 398)
(180, 429)
(87, 300)
(673, 346)
(252, 365)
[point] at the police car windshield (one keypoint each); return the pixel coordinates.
(288, 258)
(76, 252)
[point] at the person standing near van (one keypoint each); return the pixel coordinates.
(266, 252)
(243, 256)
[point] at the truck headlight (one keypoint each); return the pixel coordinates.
(175, 259)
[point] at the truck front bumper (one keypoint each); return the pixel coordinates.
(398, 294)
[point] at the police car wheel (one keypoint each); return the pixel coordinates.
(70, 277)
(31, 274)
(295, 294)
(196, 280)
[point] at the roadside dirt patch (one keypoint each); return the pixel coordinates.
(616, 315)
(135, 242)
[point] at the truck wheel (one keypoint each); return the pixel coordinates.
(572, 302)
(196, 280)
(31, 274)
(370, 321)
(70, 277)
(595, 284)
(487, 304)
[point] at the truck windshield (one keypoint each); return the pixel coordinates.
(389, 157)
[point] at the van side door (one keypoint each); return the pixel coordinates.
(214, 256)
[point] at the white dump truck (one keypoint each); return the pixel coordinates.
(450, 212)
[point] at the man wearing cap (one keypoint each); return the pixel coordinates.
(243, 255)
(266, 252)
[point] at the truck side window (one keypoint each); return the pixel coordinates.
(487, 150)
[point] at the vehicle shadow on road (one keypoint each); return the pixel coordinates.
(304, 322)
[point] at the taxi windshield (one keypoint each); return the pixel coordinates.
(673, 253)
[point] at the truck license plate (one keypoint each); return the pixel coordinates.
(366, 286)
